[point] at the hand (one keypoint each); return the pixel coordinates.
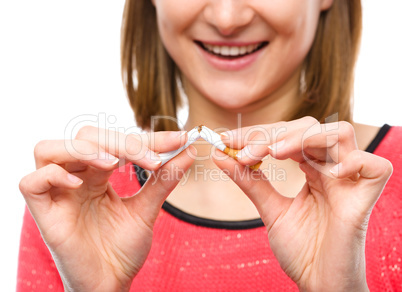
(99, 241)
(318, 237)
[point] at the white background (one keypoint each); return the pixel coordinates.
(60, 60)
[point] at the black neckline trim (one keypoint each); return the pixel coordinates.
(211, 223)
(199, 221)
(235, 225)
(378, 138)
(141, 174)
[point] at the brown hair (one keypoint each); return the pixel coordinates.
(328, 68)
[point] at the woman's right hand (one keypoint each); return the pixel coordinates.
(98, 240)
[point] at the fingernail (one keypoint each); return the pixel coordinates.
(183, 133)
(193, 151)
(155, 158)
(108, 158)
(277, 146)
(75, 180)
(224, 135)
(335, 170)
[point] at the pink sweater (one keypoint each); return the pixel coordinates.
(193, 254)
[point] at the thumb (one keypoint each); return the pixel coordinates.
(255, 184)
(148, 201)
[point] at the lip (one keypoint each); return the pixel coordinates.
(236, 64)
(229, 44)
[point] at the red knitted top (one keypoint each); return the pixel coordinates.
(194, 254)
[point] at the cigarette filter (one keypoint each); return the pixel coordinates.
(215, 139)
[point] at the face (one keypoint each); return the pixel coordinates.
(236, 52)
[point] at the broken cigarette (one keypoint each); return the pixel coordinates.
(209, 136)
(193, 136)
(215, 139)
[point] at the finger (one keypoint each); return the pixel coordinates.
(239, 138)
(156, 141)
(368, 172)
(269, 203)
(255, 142)
(315, 175)
(323, 142)
(301, 140)
(35, 187)
(138, 148)
(252, 142)
(255, 150)
(148, 201)
(367, 165)
(163, 141)
(72, 152)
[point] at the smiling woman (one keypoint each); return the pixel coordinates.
(278, 33)
(273, 80)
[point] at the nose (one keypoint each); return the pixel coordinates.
(228, 16)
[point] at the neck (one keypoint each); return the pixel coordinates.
(270, 109)
(211, 200)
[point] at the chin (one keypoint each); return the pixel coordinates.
(233, 102)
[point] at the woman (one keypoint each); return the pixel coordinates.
(244, 66)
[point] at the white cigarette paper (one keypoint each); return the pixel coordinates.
(209, 136)
(212, 137)
(193, 136)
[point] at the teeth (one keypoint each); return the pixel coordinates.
(225, 51)
(232, 50)
(216, 49)
(243, 50)
(250, 48)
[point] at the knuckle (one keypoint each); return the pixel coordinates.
(86, 149)
(81, 149)
(346, 129)
(388, 168)
(257, 139)
(40, 149)
(51, 170)
(23, 185)
(134, 139)
(357, 155)
(133, 146)
(309, 120)
(85, 131)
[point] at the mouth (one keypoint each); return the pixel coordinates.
(231, 52)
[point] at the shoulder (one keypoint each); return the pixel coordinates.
(365, 134)
(382, 138)
(390, 148)
(383, 244)
(389, 144)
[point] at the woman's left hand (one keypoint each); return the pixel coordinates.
(318, 237)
